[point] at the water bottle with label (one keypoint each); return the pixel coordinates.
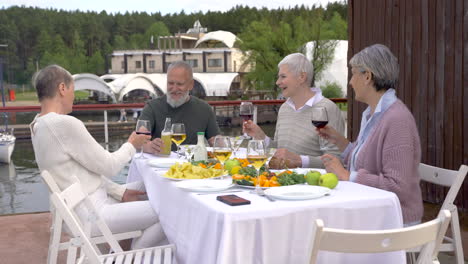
(200, 153)
(166, 137)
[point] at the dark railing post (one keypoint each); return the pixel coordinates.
(125, 64)
(204, 61)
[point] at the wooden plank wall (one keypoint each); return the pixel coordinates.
(430, 40)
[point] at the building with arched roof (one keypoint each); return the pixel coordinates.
(217, 64)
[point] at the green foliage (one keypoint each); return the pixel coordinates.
(267, 41)
(80, 41)
(332, 90)
(96, 64)
(81, 95)
(155, 30)
(26, 96)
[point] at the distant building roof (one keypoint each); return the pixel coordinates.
(197, 28)
(225, 37)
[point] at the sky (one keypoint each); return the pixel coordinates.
(153, 6)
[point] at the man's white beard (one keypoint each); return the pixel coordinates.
(177, 103)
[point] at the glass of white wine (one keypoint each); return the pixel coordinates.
(142, 127)
(235, 143)
(257, 156)
(178, 135)
(222, 149)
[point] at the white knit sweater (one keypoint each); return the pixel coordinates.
(64, 147)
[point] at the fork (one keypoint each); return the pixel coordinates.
(261, 192)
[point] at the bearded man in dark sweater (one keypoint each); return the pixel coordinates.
(181, 107)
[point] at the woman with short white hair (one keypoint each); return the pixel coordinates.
(297, 142)
(387, 152)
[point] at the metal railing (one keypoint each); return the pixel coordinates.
(105, 107)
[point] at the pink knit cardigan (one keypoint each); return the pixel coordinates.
(390, 157)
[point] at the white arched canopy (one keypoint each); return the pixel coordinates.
(110, 77)
(138, 82)
(215, 84)
(159, 80)
(87, 81)
(226, 37)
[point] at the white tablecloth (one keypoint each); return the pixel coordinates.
(205, 230)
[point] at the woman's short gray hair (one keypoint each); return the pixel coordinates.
(47, 80)
(298, 63)
(380, 61)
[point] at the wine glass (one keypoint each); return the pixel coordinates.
(320, 120)
(222, 149)
(270, 153)
(178, 135)
(257, 156)
(142, 127)
(235, 143)
(188, 150)
(246, 111)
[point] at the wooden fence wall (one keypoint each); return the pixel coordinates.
(430, 40)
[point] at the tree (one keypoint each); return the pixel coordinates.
(31, 32)
(119, 42)
(265, 43)
(96, 64)
(77, 54)
(154, 31)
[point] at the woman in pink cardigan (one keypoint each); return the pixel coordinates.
(387, 153)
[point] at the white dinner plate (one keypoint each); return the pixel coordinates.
(163, 163)
(297, 192)
(205, 185)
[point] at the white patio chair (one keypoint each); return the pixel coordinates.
(429, 235)
(76, 241)
(56, 228)
(454, 180)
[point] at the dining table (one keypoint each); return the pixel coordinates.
(205, 230)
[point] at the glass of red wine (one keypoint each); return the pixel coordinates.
(246, 111)
(320, 120)
(142, 127)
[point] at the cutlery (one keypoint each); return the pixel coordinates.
(261, 192)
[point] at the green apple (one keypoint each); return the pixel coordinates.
(231, 163)
(312, 177)
(329, 180)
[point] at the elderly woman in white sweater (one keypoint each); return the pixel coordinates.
(295, 137)
(64, 147)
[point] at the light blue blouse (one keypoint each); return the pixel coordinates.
(368, 123)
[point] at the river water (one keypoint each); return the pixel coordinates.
(22, 189)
